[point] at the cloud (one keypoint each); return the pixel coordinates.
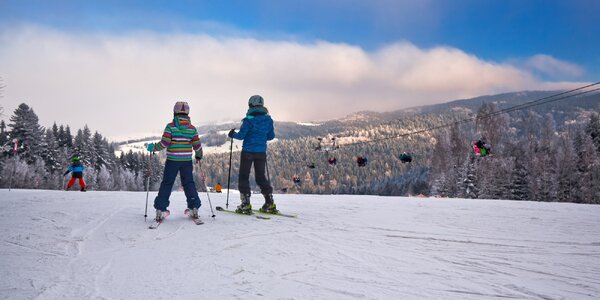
(124, 84)
(553, 67)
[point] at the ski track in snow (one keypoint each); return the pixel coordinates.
(96, 245)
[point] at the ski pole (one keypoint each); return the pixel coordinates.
(204, 183)
(148, 185)
(13, 174)
(229, 174)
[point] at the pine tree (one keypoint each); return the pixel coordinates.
(3, 134)
(519, 179)
(567, 173)
(82, 145)
(51, 155)
(469, 189)
(68, 138)
(587, 159)
(593, 129)
(100, 151)
(26, 129)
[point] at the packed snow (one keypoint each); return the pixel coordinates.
(97, 245)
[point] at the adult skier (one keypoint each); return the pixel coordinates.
(77, 168)
(180, 138)
(256, 130)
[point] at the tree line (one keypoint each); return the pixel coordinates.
(532, 158)
(44, 154)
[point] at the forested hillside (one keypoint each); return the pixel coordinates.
(548, 152)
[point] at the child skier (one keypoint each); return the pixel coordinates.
(179, 138)
(77, 169)
(256, 130)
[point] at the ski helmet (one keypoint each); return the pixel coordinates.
(256, 100)
(75, 158)
(181, 107)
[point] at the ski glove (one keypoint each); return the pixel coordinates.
(231, 133)
(150, 147)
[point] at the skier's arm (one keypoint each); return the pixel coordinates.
(69, 169)
(271, 133)
(197, 145)
(240, 135)
(165, 141)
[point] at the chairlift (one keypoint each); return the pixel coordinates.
(361, 161)
(405, 157)
(332, 161)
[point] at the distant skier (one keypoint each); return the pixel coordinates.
(180, 138)
(256, 130)
(218, 187)
(332, 161)
(77, 168)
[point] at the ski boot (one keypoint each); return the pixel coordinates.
(245, 207)
(269, 206)
(193, 213)
(83, 189)
(160, 215)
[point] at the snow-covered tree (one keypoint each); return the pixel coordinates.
(593, 130)
(51, 152)
(26, 129)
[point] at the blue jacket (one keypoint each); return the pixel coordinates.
(76, 168)
(256, 130)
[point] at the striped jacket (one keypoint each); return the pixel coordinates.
(180, 138)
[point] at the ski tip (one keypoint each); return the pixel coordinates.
(219, 208)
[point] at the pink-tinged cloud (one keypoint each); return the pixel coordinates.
(127, 83)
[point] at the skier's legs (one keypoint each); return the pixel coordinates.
(81, 183)
(71, 182)
(260, 162)
(161, 202)
(189, 187)
(245, 165)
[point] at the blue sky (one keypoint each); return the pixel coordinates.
(334, 57)
(495, 30)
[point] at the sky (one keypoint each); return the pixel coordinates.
(119, 66)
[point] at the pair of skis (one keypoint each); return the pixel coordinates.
(156, 223)
(260, 215)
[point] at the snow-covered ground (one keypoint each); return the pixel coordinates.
(96, 245)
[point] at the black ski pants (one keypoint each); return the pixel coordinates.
(259, 159)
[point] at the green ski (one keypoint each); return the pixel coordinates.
(233, 212)
(274, 214)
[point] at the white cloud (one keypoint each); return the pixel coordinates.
(553, 67)
(121, 84)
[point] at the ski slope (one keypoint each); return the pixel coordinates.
(96, 245)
